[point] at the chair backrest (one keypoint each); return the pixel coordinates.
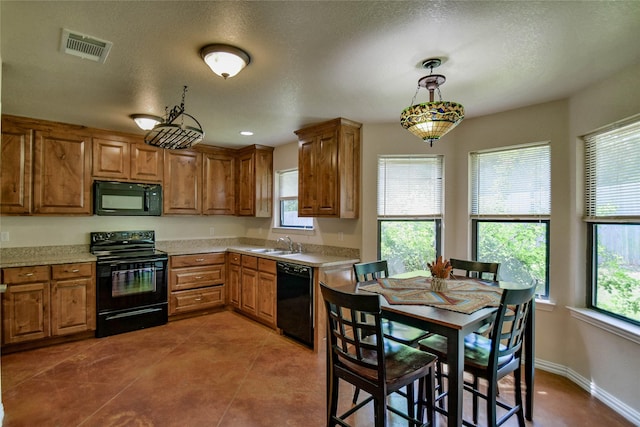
(370, 270)
(476, 268)
(354, 332)
(508, 329)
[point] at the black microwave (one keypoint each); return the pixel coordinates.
(127, 198)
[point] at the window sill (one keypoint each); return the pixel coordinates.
(607, 323)
(545, 305)
(294, 231)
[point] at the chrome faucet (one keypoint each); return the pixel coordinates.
(287, 240)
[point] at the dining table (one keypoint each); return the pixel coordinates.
(455, 325)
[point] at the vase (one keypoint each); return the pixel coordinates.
(439, 284)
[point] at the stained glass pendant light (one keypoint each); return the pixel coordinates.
(431, 120)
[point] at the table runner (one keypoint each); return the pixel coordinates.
(463, 296)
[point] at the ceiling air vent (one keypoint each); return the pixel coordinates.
(84, 46)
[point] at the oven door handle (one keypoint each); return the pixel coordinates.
(131, 260)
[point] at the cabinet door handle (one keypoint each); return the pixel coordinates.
(75, 270)
(198, 277)
(199, 259)
(28, 274)
(198, 299)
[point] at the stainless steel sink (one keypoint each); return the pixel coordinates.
(270, 251)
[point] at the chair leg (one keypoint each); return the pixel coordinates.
(491, 404)
(332, 410)
(355, 395)
(430, 395)
(440, 384)
(380, 408)
(518, 391)
(475, 400)
(422, 403)
(411, 401)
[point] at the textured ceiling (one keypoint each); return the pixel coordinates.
(311, 61)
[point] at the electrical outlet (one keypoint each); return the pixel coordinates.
(211, 231)
(4, 236)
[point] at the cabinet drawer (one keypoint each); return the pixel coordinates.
(234, 258)
(25, 274)
(197, 259)
(267, 265)
(249, 261)
(66, 271)
(195, 277)
(197, 299)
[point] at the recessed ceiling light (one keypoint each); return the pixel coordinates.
(246, 133)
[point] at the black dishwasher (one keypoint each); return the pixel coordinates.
(295, 301)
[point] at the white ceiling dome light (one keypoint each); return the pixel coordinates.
(225, 60)
(146, 121)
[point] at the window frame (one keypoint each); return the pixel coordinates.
(592, 218)
(438, 230)
(510, 217)
(592, 275)
(436, 218)
(282, 200)
(547, 222)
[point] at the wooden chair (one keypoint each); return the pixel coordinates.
(405, 334)
(493, 358)
(396, 331)
(359, 354)
(476, 269)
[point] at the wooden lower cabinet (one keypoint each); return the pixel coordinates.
(252, 282)
(249, 290)
(233, 278)
(73, 298)
(47, 301)
(266, 308)
(196, 282)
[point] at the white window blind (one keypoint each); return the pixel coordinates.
(288, 185)
(512, 182)
(612, 169)
(409, 186)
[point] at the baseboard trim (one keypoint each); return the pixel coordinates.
(602, 395)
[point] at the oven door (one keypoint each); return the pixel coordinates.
(126, 284)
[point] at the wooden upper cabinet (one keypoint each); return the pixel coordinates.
(182, 183)
(62, 173)
(218, 170)
(15, 170)
(255, 181)
(329, 169)
(125, 158)
(111, 159)
(146, 163)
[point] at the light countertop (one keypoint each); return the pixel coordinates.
(25, 257)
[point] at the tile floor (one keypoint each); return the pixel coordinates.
(218, 370)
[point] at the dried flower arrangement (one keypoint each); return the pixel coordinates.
(441, 268)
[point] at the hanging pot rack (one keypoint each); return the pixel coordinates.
(172, 135)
